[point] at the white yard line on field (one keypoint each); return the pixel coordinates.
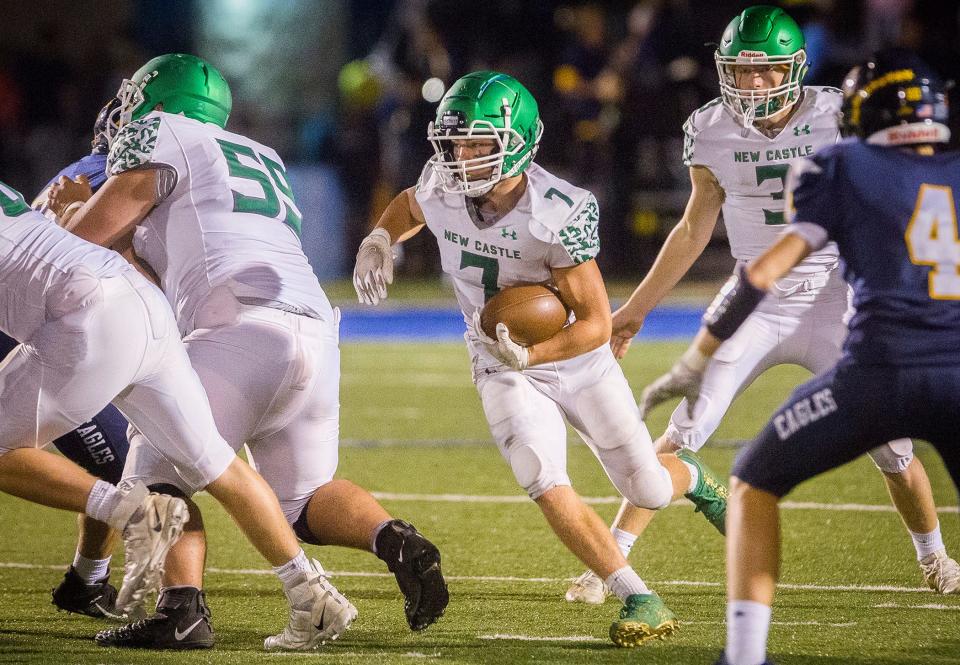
(603, 500)
(861, 588)
(927, 606)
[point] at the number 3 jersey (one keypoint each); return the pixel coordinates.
(751, 168)
(227, 216)
(554, 225)
(893, 215)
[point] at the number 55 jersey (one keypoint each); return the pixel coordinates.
(226, 214)
(752, 167)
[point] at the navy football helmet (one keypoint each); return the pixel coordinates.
(100, 144)
(895, 99)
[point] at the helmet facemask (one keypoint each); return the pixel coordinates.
(750, 105)
(131, 98)
(509, 158)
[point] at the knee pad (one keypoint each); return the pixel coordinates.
(649, 488)
(533, 473)
(893, 457)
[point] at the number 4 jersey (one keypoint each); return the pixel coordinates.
(893, 215)
(751, 167)
(226, 215)
(554, 225)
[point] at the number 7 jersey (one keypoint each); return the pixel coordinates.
(752, 167)
(554, 225)
(227, 215)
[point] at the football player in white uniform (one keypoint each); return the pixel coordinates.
(500, 220)
(215, 217)
(739, 148)
(93, 330)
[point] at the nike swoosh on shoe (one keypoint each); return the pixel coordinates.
(178, 636)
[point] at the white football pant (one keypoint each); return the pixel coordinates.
(801, 322)
(273, 379)
(114, 341)
(526, 411)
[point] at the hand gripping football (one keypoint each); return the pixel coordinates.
(532, 313)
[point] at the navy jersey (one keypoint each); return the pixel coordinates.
(893, 214)
(94, 166)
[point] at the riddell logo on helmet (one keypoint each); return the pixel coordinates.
(751, 54)
(913, 135)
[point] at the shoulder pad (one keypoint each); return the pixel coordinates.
(563, 213)
(134, 145)
(428, 180)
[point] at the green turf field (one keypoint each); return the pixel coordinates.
(852, 591)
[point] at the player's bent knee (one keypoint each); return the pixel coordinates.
(649, 488)
(893, 457)
(533, 473)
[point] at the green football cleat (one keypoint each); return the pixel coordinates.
(710, 495)
(643, 617)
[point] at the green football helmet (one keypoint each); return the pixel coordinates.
(184, 84)
(488, 106)
(761, 36)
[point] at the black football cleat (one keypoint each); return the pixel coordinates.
(415, 562)
(182, 621)
(74, 595)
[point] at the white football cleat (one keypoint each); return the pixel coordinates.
(318, 612)
(148, 536)
(588, 588)
(941, 573)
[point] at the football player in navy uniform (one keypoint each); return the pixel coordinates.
(888, 198)
(99, 445)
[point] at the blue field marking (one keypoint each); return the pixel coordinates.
(429, 324)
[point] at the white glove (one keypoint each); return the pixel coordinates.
(374, 267)
(503, 348)
(683, 380)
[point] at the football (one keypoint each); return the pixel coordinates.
(532, 312)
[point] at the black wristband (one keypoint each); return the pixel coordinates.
(735, 302)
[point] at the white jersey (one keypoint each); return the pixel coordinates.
(229, 217)
(752, 168)
(554, 225)
(41, 265)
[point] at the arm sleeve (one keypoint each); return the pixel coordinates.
(579, 239)
(811, 199)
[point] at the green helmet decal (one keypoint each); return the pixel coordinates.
(484, 106)
(761, 37)
(184, 84)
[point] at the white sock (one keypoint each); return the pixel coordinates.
(694, 476)
(748, 623)
(625, 582)
(625, 540)
(927, 543)
(289, 573)
(102, 501)
(90, 570)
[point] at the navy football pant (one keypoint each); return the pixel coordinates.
(836, 417)
(100, 446)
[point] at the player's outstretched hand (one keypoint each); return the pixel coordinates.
(66, 192)
(502, 348)
(625, 326)
(683, 380)
(374, 268)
